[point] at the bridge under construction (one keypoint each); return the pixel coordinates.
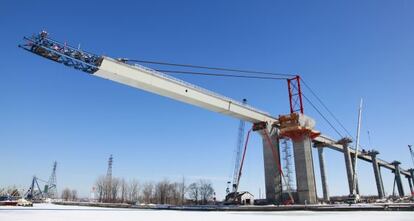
(296, 126)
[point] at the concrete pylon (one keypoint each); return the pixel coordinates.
(305, 177)
(412, 179)
(353, 165)
(348, 162)
(273, 179)
(377, 173)
(324, 177)
(410, 184)
(398, 178)
(299, 128)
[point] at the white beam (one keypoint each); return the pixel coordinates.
(165, 85)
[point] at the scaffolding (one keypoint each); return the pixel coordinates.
(287, 162)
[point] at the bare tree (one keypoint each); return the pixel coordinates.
(174, 195)
(182, 191)
(133, 191)
(115, 186)
(66, 194)
(100, 184)
(74, 195)
(206, 190)
(124, 190)
(147, 192)
(193, 192)
(161, 191)
(107, 190)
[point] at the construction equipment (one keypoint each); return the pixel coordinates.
(238, 153)
(232, 196)
(156, 82)
(36, 193)
(150, 80)
(288, 169)
(276, 158)
(412, 153)
(295, 95)
(50, 189)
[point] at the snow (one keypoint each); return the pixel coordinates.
(50, 212)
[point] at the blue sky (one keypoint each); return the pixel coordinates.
(344, 49)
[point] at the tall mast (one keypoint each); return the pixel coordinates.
(356, 149)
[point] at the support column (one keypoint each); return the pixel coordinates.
(353, 165)
(299, 128)
(323, 174)
(273, 179)
(377, 173)
(398, 178)
(348, 162)
(410, 184)
(305, 177)
(412, 179)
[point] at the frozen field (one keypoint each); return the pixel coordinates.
(49, 212)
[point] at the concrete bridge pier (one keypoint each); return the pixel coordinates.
(353, 165)
(410, 184)
(273, 179)
(398, 178)
(305, 177)
(377, 174)
(348, 163)
(299, 128)
(324, 177)
(411, 171)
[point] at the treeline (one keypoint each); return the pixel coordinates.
(69, 195)
(117, 190)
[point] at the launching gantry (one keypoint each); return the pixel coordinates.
(296, 126)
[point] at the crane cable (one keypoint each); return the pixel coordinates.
(220, 75)
(281, 76)
(326, 108)
(207, 67)
(320, 113)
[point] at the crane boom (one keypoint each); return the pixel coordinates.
(238, 158)
(142, 78)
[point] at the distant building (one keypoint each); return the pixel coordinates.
(242, 198)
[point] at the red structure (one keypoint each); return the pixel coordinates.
(295, 95)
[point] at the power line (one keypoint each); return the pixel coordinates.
(206, 67)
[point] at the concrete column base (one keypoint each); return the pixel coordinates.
(273, 179)
(305, 177)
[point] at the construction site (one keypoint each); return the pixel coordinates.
(286, 137)
(299, 136)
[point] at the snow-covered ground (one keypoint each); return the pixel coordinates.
(49, 212)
